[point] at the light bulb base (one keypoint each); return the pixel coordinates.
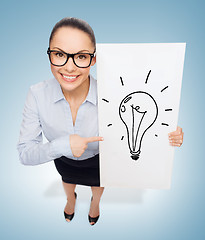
(135, 155)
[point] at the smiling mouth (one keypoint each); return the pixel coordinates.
(70, 78)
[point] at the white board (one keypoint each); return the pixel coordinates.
(138, 99)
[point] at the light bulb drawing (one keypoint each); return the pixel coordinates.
(138, 111)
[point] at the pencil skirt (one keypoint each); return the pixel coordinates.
(82, 172)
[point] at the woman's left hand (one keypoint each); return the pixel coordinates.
(176, 137)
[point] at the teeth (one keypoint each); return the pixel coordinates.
(69, 77)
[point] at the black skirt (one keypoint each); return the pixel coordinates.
(82, 172)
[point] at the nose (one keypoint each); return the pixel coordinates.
(70, 66)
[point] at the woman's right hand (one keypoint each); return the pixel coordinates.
(79, 144)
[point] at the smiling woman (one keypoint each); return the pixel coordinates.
(65, 109)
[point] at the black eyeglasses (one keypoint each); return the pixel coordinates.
(60, 58)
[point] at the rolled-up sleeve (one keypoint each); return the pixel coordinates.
(32, 150)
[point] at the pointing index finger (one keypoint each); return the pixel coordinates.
(94, 139)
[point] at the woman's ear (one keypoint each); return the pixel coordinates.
(93, 61)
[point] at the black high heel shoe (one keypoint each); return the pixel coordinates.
(70, 216)
(91, 219)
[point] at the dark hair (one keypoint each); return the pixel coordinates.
(74, 23)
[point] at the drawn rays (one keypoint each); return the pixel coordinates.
(147, 76)
(105, 100)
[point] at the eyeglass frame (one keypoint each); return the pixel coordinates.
(92, 55)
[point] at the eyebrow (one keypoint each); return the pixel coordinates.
(77, 52)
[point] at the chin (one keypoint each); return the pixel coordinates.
(69, 86)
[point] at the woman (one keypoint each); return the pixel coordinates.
(65, 110)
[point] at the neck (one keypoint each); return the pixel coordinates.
(79, 94)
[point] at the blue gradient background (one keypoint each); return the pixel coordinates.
(32, 198)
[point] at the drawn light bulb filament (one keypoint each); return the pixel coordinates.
(134, 126)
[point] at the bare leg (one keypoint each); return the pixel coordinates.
(69, 190)
(94, 206)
